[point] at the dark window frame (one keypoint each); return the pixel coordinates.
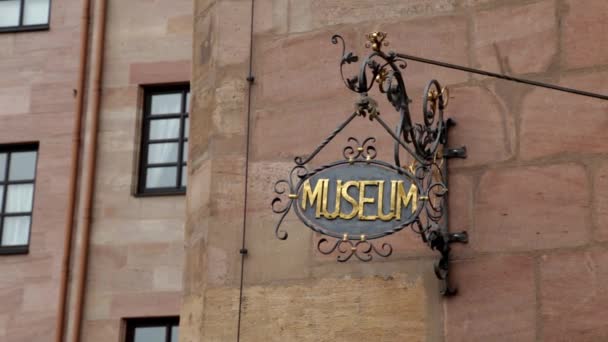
(23, 28)
(9, 149)
(149, 92)
(165, 322)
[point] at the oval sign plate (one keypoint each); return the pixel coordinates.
(351, 199)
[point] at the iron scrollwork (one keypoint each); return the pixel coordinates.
(425, 143)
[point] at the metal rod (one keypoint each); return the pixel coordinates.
(503, 77)
(404, 145)
(250, 79)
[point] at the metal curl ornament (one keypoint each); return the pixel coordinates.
(356, 150)
(332, 199)
(362, 249)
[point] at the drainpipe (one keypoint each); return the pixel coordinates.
(75, 158)
(91, 153)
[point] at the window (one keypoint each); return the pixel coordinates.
(153, 329)
(24, 15)
(164, 148)
(17, 178)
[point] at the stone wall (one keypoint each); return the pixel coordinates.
(136, 248)
(38, 72)
(531, 192)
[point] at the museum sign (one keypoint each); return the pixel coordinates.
(359, 198)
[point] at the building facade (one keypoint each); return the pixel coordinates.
(140, 142)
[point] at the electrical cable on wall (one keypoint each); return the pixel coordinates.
(243, 250)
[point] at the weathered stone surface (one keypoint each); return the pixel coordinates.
(554, 124)
(532, 208)
(119, 100)
(229, 114)
(137, 231)
(271, 16)
(220, 322)
(495, 302)
(38, 71)
(98, 306)
(574, 299)
(473, 3)
(287, 123)
(12, 296)
(299, 68)
(101, 330)
(31, 326)
(159, 72)
(51, 98)
(483, 125)
(333, 12)
(460, 209)
(444, 40)
(233, 30)
(15, 100)
(585, 33)
(290, 291)
(182, 24)
(139, 304)
(191, 318)
(516, 39)
(460, 201)
(390, 308)
(600, 201)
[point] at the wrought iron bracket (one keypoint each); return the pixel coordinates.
(442, 267)
(455, 152)
(425, 142)
(461, 237)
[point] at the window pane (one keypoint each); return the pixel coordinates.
(36, 12)
(184, 175)
(15, 231)
(188, 102)
(150, 334)
(187, 127)
(162, 153)
(161, 177)
(164, 129)
(185, 157)
(1, 196)
(9, 13)
(2, 166)
(19, 198)
(166, 104)
(175, 333)
(23, 165)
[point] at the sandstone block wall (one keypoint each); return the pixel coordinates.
(531, 193)
(136, 252)
(38, 72)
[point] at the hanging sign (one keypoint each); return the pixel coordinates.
(357, 199)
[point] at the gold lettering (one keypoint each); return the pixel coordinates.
(363, 200)
(319, 198)
(336, 213)
(381, 215)
(393, 198)
(350, 200)
(403, 199)
(313, 195)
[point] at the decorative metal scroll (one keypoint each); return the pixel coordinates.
(358, 199)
